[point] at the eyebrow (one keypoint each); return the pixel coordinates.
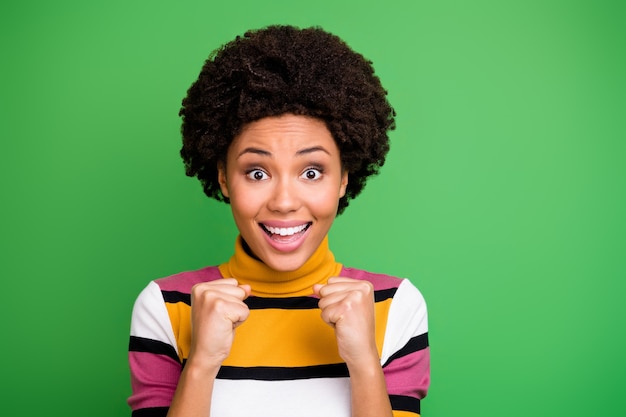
(262, 152)
(256, 151)
(311, 150)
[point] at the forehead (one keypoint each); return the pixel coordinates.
(286, 133)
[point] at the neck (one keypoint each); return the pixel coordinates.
(264, 281)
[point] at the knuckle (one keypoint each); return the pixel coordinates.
(219, 304)
(360, 292)
(366, 289)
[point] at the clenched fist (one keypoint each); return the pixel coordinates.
(348, 306)
(217, 308)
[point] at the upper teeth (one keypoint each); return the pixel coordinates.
(285, 231)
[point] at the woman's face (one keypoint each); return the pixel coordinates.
(284, 179)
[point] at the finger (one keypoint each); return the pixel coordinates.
(221, 281)
(331, 315)
(237, 314)
(317, 288)
(334, 280)
(331, 298)
(339, 284)
(359, 299)
(247, 289)
(331, 280)
(213, 310)
(221, 288)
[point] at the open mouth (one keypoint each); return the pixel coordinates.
(285, 232)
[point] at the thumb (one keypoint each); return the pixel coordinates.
(317, 288)
(248, 290)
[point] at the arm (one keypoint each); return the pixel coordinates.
(217, 308)
(153, 357)
(405, 354)
(348, 306)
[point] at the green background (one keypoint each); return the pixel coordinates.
(503, 198)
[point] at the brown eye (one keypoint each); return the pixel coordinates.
(257, 175)
(312, 174)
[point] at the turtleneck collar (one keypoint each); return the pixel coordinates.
(266, 282)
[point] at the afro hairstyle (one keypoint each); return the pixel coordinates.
(285, 69)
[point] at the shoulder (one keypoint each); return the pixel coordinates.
(183, 281)
(405, 295)
(173, 287)
(380, 281)
(151, 317)
(383, 282)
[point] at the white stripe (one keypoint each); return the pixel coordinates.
(150, 318)
(327, 397)
(407, 318)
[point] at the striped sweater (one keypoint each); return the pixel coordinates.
(284, 358)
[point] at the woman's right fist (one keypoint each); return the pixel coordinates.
(217, 308)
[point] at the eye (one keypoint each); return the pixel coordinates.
(257, 175)
(311, 174)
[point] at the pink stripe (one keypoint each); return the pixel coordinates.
(380, 281)
(185, 280)
(409, 375)
(153, 379)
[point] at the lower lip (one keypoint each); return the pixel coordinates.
(286, 243)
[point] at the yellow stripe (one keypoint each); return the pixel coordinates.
(398, 413)
(275, 337)
(180, 317)
(286, 338)
(381, 311)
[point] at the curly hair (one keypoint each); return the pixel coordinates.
(284, 69)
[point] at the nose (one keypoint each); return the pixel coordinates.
(284, 196)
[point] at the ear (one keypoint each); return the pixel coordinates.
(344, 184)
(221, 178)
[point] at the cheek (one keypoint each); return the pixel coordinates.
(245, 201)
(325, 204)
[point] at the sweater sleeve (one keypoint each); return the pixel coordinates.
(154, 363)
(406, 354)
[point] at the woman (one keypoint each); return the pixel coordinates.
(285, 125)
